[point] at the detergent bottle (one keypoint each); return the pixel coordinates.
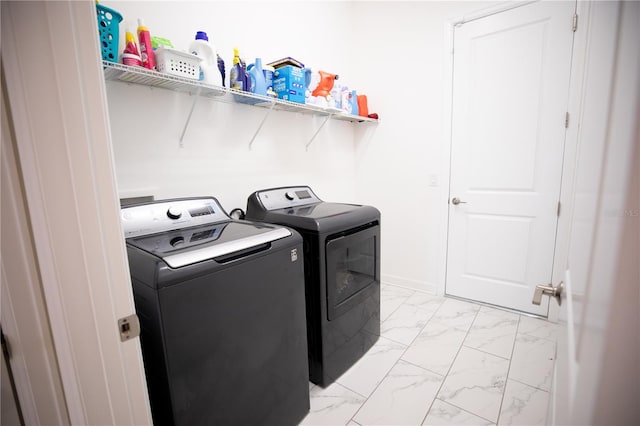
(269, 71)
(325, 85)
(131, 56)
(321, 94)
(353, 99)
(258, 82)
(238, 78)
(222, 69)
(146, 49)
(345, 99)
(336, 97)
(363, 106)
(311, 80)
(203, 48)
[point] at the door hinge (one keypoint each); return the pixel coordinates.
(574, 25)
(559, 206)
(129, 327)
(566, 120)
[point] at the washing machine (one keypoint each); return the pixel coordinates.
(221, 305)
(342, 273)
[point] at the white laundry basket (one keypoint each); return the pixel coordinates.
(175, 62)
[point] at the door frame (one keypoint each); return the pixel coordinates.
(602, 381)
(568, 164)
(31, 356)
(58, 110)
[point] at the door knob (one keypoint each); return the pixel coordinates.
(455, 201)
(549, 290)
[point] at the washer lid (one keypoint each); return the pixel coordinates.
(320, 210)
(187, 246)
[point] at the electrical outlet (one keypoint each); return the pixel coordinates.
(433, 180)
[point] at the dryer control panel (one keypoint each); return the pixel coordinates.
(166, 215)
(292, 196)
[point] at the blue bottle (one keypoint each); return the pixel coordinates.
(258, 82)
(353, 99)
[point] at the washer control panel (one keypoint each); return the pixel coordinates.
(166, 215)
(280, 198)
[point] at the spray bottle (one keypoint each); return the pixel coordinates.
(238, 78)
(146, 49)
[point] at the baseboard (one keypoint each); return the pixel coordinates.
(409, 283)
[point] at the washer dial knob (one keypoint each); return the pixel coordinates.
(174, 213)
(290, 195)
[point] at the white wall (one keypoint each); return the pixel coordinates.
(391, 51)
(403, 44)
(216, 160)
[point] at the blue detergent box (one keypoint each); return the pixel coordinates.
(288, 83)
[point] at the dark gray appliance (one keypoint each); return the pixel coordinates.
(342, 273)
(222, 314)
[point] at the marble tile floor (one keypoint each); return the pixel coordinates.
(442, 361)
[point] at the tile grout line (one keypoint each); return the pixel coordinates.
(366, 398)
(462, 409)
(510, 358)
(376, 387)
(407, 346)
(506, 379)
(400, 358)
(351, 390)
(421, 367)
(488, 353)
(412, 342)
(450, 367)
(532, 387)
(394, 311)
(541, 338)
(394, 364)
(555, 343)
(414, 339)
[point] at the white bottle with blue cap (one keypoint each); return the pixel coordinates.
(203, 48)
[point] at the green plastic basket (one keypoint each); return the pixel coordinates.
(108, 28)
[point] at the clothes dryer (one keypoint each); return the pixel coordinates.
(342, 273)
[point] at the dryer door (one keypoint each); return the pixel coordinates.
(353, 269)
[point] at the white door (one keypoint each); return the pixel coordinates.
(597, 368)
(510, 93)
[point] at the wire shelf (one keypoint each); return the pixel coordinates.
(142, 76)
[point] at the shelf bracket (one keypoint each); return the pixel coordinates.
(317, 131)
(193, 105)
(264, 119)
